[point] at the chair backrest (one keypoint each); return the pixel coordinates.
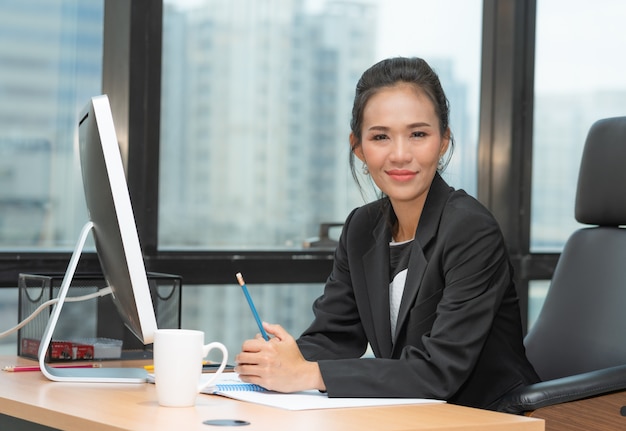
(582, 324)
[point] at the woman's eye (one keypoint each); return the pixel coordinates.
(379, 137)
(418, 134)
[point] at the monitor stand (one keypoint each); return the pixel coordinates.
(104, 374)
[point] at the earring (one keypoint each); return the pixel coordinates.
(365, 169)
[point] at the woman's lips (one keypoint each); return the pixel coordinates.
(401, 174)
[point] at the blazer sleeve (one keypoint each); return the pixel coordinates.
(465, 279)
(337, 330)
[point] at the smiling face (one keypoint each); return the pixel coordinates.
(401, 143)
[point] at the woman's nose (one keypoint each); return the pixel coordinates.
(400, 150)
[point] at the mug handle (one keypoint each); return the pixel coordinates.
(205, 351)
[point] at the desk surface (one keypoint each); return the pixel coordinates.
(133, 407)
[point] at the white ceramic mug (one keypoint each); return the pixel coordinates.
(178, 356)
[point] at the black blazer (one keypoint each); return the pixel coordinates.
(459, 334)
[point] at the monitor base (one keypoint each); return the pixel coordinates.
(93, 375)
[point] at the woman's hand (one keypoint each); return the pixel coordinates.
(277, 364)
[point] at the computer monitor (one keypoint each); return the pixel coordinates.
(112, 224)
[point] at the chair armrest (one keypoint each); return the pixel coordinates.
(565, 389)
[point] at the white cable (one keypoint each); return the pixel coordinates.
(102, 292)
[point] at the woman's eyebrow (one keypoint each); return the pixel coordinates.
(418, 124)
(378, 128)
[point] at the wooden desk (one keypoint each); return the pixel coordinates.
(31, 397)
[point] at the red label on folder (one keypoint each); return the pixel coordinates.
(59, 350)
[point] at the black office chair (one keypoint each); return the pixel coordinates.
(578, 343)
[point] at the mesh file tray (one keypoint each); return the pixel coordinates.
(91, 329)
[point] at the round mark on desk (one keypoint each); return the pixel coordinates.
(226, 422)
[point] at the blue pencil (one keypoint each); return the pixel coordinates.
(251, 304)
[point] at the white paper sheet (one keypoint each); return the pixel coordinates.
(306, 400)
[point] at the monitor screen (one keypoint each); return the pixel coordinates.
(114, 229)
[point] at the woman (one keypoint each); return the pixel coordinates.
(421, 275)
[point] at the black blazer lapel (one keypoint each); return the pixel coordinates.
(375, 264)
(417, 267)
(426, 231)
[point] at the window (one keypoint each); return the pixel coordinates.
(51, 59)
(256, 104)
(578, 79)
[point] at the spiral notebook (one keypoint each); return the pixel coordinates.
(229, 382)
